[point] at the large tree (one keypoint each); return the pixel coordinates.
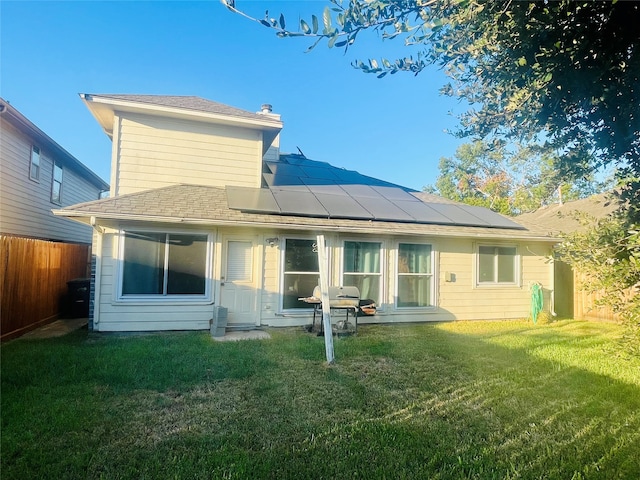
(508, 180)
(565, 74)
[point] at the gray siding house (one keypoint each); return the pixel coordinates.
(38, 175)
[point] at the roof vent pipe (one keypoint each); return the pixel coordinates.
(266, 108)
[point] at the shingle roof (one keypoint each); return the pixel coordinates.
(194, 103)
(195, 204)
(561, 218)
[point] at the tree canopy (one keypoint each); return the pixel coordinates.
(565, 74)
(562, 75)
(509, 181)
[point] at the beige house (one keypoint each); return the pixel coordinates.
(205, 211)
(571, 300)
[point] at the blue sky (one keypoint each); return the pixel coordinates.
(391, 128)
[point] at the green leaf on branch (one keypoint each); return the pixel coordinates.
(326, 19)
(332, 39)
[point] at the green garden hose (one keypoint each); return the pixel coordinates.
(536, 301)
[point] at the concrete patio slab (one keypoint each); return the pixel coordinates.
(56, 329)
(243, 335)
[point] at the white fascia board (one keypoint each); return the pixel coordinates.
(103, 110)
(85, 217)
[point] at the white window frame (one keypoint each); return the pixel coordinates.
(383, 255)
(283, 253)
(205, 299)
(35, 177)
(495, 284)
(434, 287)
(57, 164)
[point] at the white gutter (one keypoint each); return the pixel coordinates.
(79, 216)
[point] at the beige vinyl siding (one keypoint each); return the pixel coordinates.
(145, 316)
(457, 300)
(154, 152)
(466, 301)
(25, 204)
(270, 276)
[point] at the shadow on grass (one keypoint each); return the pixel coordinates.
(401, 402)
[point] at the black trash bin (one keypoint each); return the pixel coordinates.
(78, 305)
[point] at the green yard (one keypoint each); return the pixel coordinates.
(458, 400)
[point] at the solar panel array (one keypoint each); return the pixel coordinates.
(299, 186)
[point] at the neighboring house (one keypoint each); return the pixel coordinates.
(569, 217)
(39, 252)
(205, 211)
(37, 176)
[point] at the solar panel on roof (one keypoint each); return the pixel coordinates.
(317, 172)
(251, 199)
(383, 209)
(300, 186)
(299, 203)
(348, 176)
(311, 182)
(343, 206)
(361, 191)
(457, 215)
(331, 189)
(286, 169)
(394, 193)
(305, 162)
(285, 181)
(422, 212)
(327, 201)
(493, 218)
(292, 159)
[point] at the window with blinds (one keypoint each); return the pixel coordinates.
(239, 262)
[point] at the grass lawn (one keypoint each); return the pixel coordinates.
(456, 400)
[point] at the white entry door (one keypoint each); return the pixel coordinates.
(239, 285)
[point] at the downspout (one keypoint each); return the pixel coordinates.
(552, 293)
(97, 280)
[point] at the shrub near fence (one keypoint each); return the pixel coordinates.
(33, 281)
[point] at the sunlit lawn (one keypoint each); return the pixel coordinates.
(457, 400)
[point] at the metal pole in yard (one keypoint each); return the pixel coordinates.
(323, 265)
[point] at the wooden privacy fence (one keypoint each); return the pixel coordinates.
(586, 304)
(33, 281)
